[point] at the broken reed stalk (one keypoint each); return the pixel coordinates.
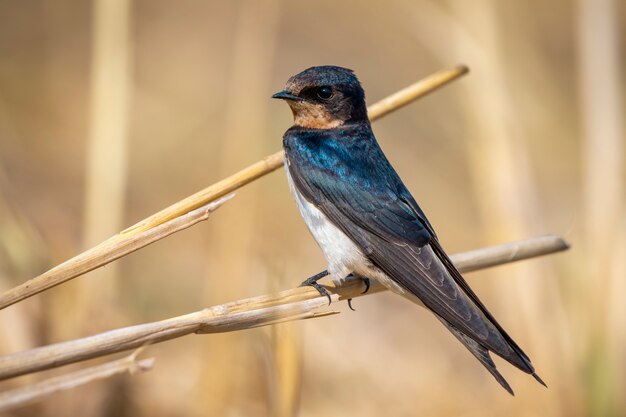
(103, 253)
(22, 396)
(108, 251)
(294, 304)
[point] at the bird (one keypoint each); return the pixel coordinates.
(365, 220)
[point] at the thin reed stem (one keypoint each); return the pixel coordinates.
(22, 396)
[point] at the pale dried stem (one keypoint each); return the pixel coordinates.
(294, 304)
(22, 396)
(106, 252)
(113, 248)
(272, 162)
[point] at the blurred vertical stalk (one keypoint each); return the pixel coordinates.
(105, 186)
(602, 114)
(284, 359)
(286, 371)
(247, 97)
(107, 142)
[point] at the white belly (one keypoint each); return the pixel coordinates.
(342, 255)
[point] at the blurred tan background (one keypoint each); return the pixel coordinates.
(111, 110)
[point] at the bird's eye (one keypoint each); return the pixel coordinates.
(324, 92)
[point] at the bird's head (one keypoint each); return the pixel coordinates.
(324, 97)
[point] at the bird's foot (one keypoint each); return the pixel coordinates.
(366, 281)
(312, 282)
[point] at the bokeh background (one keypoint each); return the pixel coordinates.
(110, 110)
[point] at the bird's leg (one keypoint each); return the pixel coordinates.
(366, 281)
(312, 282)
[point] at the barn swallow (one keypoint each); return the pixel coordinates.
(366, 221)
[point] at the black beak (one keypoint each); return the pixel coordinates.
(285, 95)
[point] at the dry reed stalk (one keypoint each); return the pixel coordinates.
(106, 159)
(274, 161)
(109, 251)
(285, 386)
(100, 254)
(294, 304)
(601, 83)
(19, 397)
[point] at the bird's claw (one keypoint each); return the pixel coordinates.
(312, 282)
(321, 290)
(366, 281)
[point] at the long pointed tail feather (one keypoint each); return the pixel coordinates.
(481, 354)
